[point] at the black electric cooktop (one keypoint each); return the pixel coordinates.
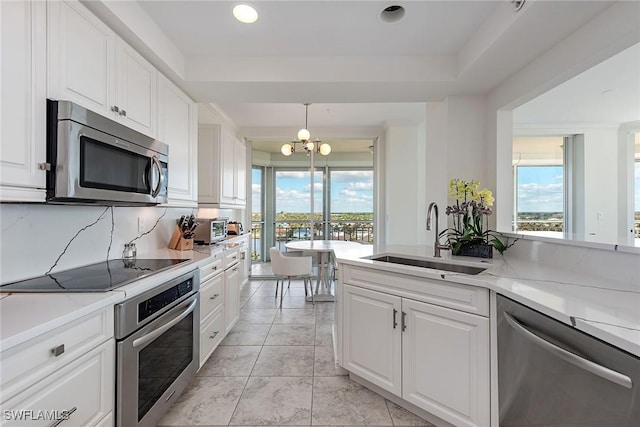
(99, 277)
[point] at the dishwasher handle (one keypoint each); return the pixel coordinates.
(580, 362)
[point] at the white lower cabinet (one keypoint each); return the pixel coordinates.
(445, 363)
(433, 357)
(211, 333)
(231, 296)
(372, 338)
(81, 393)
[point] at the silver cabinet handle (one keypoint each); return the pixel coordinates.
(115, 109)
(395, 321)
(143, 340)
(65, 416)
(57, 350)
(403, 321)
(123, 113)
(234, 269)
(214, 297)
(580, 362)
(214, 335)
(215, 267)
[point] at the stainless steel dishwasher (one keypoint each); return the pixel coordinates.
(550, 374)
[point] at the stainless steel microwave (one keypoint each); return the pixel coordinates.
(92, 159)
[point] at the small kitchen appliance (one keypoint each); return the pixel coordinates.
(234, 228)
(209, 231)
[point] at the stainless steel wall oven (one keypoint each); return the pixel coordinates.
(158, 341)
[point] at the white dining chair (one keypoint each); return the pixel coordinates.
(290, 267)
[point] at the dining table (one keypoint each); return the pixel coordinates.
(324, 250)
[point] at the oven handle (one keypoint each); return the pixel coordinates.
(145, 339)
(580, 362)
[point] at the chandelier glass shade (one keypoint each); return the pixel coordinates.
(304, 138)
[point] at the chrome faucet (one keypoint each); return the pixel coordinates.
(437, 246)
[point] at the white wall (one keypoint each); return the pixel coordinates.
(33, 236)
(404, 191)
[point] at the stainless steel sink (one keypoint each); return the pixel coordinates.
(456, 268)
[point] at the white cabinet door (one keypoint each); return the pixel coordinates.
(80, 57)
(23, 108)
(372, 337)
(177, 128)
(136, 86)
(85, 388)
(446, 363)
(240, 173)
(231, 296)
(209, 137)
(228, 169)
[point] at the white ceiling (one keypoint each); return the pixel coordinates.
(608, 93)
(355, 69)
(320, 28)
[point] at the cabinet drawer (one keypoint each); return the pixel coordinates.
(231, 257)
(214, 267)
(211, 333)
(471, 299)
(84, 388)
(211, 296)
(27, 363)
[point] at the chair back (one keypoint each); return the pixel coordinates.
(276, 261)
(282, 265)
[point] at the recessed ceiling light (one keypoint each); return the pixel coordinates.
(392, 13)
(245, 13)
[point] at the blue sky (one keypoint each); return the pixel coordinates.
(540, 189)
(351, 191)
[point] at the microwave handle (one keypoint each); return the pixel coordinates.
(156, 163)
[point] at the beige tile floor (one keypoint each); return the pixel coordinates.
(276, 368)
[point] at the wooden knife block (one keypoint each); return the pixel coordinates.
(178, 242)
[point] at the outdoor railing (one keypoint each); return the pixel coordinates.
(357, 231)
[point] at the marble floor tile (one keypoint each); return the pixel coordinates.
(288, 334)
(258, 315)
(230, 361)
(284, 361)
(267, 291)
(263, 301)
(324, 334)
(273, 401)
(295, 292)
(325, 316)
(246, 334)
(299, 316)
(324, 362)
(296, 302)
(207, 401)
(402, 417)
(340, 401)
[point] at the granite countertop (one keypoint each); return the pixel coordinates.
(609, 311)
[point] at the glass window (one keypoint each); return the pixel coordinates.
(351, 216)
(540, 199)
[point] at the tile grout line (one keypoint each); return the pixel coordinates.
(252, 368)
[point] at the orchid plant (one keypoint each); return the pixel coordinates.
(470, 214)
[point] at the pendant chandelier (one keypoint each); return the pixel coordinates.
(304, 138)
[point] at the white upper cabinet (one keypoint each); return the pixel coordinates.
(222, 169)
(23, 108)
(91, 66)
(80, 57)
(177, 127)
(136, 85)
